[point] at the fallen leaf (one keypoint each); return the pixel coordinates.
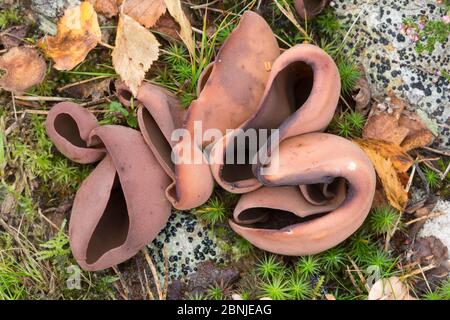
(12, 37)
(108, 8)
(400, 159)
(361, 93)
(389, 289)
(167, 25)
(96, 90)
(146, 12)
(136, 49)
(418, 135)
(430, 251)
(389, 163)
(175, 10)
(391, 121)
(78, 33)
(24, 68)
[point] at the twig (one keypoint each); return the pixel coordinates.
(154, 273)
(38, 98)
(204, 5)
(352, 279)
(126, 292)
(166, 273)
(360, 275)
(411, 177)
(96, 102)
(149, 291)
(14, 105)
(106, 45)
(81, 82)
(292, 19)
(431, 215)
(391, 234)
(424, 179)
(417, 271)
(31, 111)
(446, 171)
(48, 220)
(444, 153)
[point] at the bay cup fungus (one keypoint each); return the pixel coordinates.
(311, 192)
(121, 205)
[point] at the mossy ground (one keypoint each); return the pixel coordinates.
(38, 184)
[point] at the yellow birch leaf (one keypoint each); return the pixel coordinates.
(175, 10)
(136, 49)
(78, 33)
(146, 12)
(387, 172)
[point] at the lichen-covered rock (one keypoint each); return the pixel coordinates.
(188, 242)
(390, 57)
(52, 9)
(439, 226)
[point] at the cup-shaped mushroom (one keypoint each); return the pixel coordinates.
(308, 9)
(68, 127)
(230, 88)
(310, 159)
(160, 117)
(300, 97)
(121, 206)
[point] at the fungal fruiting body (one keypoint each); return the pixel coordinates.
(309, 192)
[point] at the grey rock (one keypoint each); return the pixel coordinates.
(188, 243)
(390, 59)
(52, 9)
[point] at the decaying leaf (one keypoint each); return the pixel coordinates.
(96, 90)
(108, 8)
(78, 33)
(136, 49)
(389, 289)
(24, 68)
(390, 121)
(430, 251)
(175, 10)
(400, 159)
(387, 161)
(146, 12)
(167, 25)
(361, 93)
(12, 37)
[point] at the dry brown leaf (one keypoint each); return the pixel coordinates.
(108, 8)
(391, 121)
(389, 289)
(24, 68)
(361, 93)
(167, 25)
(400, 160)
(175, 10)
(78, 33)
(419, 135)
(12, 37)
(430, 251)
(362, 96)
(386, 170)
(146, 12)
(95, 90)
(136, 49)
